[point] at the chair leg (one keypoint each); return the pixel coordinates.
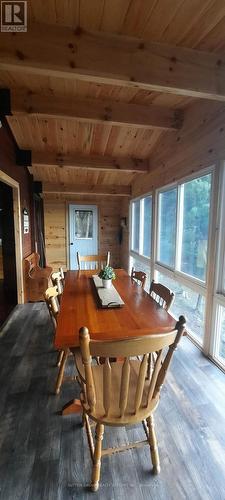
(97, 457)
(59, 359)
(153, 445)
(61, 372)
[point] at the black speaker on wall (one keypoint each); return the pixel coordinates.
(23, 157)
(37, 187)
(5, 103)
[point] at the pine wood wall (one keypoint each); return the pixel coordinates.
(124, 247)
(56, 220)
(199, 144)
(21, 175)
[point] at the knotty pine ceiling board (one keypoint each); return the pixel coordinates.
(80, 176)
(214, 12)
(60, 87)
(214, 40)
(180, 22)
(68, 136)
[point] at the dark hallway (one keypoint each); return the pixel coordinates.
(8, 286)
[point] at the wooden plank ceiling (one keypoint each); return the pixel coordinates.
(51, 134)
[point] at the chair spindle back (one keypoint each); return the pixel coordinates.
(133, 373)
(93, 262)
(161, 294)
(58, 281)
(139, 277)
(51, 298)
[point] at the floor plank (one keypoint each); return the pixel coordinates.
(45, 456)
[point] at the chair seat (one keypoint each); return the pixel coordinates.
(122, 393)
(114, 417)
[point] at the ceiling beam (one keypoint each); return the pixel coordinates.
(96, 111)
(92, 162)
(86, 189)
(113, 59)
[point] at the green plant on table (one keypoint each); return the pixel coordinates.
(107, 273)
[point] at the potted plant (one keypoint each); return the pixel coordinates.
(107, 275)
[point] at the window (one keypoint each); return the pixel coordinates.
(182, 245)
(221, 326)
(139, 265)
(180, 253)
(142, 226)
(83, 224)
(189, 303)
(141, 236)
(218, 324)
(167, 227)
(136, 225)
(147, 208)
(195, 225)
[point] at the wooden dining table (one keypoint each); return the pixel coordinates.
(140, 314)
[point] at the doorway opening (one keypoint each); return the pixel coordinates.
(8, 283)
(83, 231)
(11, 276)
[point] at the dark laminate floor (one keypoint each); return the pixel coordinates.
(45, 456)
(6, 304)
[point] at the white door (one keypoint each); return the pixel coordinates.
(83, 223)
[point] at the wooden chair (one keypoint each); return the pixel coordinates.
(164, 297)
(139, 277)
(119, 394)
(161, 294)
(36, 278)
(51, 298)
(93, 261)
(57, 280)
(61, 272)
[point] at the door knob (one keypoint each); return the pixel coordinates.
(71, 243)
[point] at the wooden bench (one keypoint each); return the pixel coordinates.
(36, 278)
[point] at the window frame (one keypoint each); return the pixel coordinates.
(133, 253)
(192, 287)
(204, 288)
(218, 296)
(132, 219)
(158, 225)
(180, 198)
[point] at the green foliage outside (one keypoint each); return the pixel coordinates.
(195, 222)
(167, 233)
(195, 226)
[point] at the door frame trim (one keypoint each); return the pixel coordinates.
(17, 233)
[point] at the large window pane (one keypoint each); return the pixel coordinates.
(147, 226)
(167, 227)
(136, 226)
(140, 266)
(188, 303)
(196, 205)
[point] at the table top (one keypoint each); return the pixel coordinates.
(140, 315)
